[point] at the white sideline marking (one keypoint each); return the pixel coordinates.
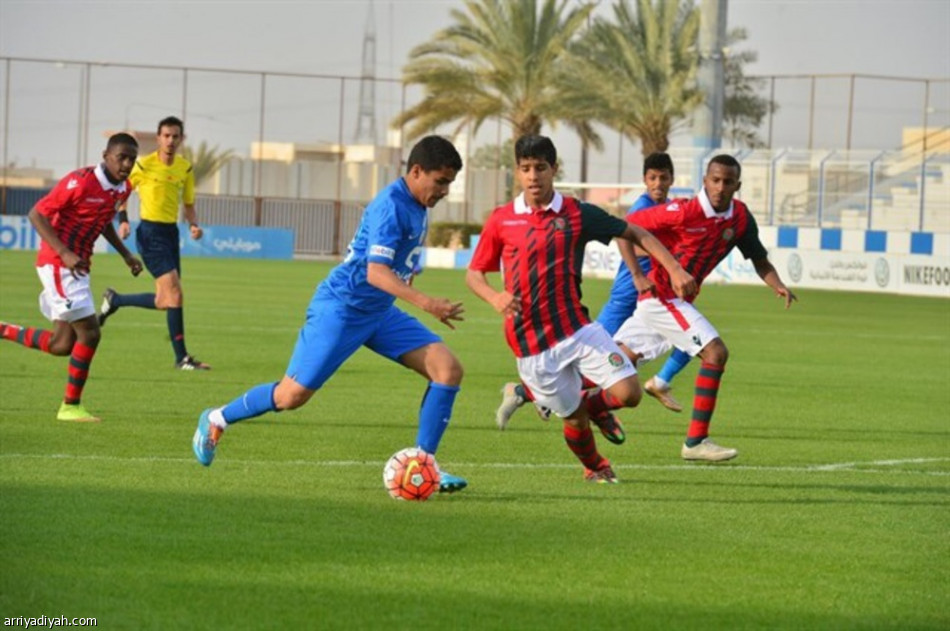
(851, 467)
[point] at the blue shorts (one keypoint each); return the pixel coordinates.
(158, 244)
(616, 311)
(622, 301)
(332, 333)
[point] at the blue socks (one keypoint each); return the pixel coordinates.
(143, 301)
(674, 365)
(434, 415)
(176, 331)
(256, 401)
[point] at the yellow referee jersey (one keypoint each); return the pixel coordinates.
(163, 188)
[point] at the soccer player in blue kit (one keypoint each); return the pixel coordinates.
(353, 307)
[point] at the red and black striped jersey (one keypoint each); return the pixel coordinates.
(698, 237)
(79, 207)
(542, 252)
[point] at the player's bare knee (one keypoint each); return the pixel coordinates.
(631, 398)
(61, 347)
(287, 398)
(450, 374)
(90, 337)
(168, 301)
(627, 392)
(287, 401)
(440, 365)
(715, 352)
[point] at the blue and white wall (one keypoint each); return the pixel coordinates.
(17, 233)
(913, 263)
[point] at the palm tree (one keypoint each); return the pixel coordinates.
(205, 160)
(501, 59)
(642, 68)
(744, 108)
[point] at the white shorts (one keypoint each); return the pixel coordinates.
(656, 325)
(64, 297)
(554, 375)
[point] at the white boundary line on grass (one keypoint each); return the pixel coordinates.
(850, 467)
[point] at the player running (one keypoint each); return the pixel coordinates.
(539, 239)
(700, 232)
(354, 307)
(69, 220)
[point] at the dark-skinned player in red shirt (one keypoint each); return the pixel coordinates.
(700, 232)
(69, 220)
(539, 240)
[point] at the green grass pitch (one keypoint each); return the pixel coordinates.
(834, 516)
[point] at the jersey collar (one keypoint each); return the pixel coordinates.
(522, 208)
(104, 181)
(708, 209)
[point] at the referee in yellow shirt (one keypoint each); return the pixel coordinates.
(163, 180)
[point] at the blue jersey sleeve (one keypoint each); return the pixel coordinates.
(383, 234)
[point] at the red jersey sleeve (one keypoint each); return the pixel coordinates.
(63, 195)
(487, 255)
(658, 219)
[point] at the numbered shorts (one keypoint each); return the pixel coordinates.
(160, 247)
(64, 297)
(333, 332)
(554, 375)
(657, 324)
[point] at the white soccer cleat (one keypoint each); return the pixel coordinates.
(510, 402)
(708, 450)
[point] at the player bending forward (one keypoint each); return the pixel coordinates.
(539, 239)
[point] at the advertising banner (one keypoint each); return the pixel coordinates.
(909, 274)
(16, 233)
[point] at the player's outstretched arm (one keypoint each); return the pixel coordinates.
(382, 277)
(767, 272)
(683, 283)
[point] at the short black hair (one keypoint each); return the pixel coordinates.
(658, 161)
(433, 153)
(727, 161)
(539, 147)
(121, 138)
(171, 121)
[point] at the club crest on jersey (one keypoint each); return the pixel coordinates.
(615, 360)
(727, 234)
(559, 223)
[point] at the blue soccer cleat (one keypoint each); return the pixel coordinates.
(205, 439)
(449, 483)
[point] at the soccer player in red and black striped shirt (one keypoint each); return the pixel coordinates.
(69, 220)
(700, 232)
(539, 240)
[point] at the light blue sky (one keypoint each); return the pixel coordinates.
(908, 38)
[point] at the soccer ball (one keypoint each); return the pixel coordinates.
(411, 474)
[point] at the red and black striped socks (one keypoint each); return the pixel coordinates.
(79, 362)
(704, 402)
(27, 336)
(581, 442)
